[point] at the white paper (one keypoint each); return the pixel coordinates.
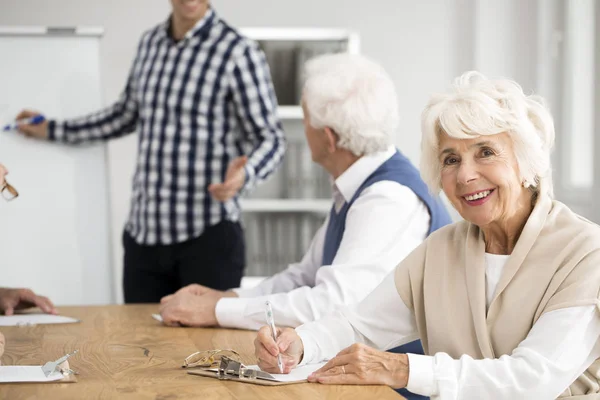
(157, 317)
(26, 373)
(34, 319)
(297, 374)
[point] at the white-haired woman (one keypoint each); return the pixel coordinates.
(505, 302)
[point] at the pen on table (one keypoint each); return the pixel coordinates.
(271, 322)
(38, 119)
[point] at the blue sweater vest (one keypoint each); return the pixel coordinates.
(396, 169)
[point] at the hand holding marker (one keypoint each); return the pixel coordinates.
(38, 119)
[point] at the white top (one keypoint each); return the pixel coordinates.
(560, 347)
(385, 223)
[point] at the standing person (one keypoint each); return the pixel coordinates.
(201, 97)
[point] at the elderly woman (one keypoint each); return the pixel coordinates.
(505, 302)
(17, 299)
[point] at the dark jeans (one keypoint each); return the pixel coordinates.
(215, 259)
(414, 348)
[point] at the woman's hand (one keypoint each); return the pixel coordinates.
(362, 365)
(289, 345)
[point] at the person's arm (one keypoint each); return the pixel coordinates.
(559, 348)
(256, 106)
(382, 320)
(367, 253)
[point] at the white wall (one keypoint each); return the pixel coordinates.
(423, 44)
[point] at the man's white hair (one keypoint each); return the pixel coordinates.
(353, 96)
(478, 106)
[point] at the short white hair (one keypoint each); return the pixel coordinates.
(478, 106)
(355, 97)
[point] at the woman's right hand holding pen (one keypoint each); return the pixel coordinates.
(288, 344)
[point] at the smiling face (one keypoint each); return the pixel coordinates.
(480, 177)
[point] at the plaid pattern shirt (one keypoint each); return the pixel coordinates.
(197, 104)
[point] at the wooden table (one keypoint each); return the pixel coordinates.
(125, 354)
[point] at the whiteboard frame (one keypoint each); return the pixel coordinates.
(6, 30)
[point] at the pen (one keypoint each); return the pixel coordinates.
(271, 322)
(38, 119)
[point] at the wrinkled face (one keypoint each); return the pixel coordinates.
(192, 10)
(316, 138)
(480, 177)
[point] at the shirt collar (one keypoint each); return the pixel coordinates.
(205, 23)
(351, 179)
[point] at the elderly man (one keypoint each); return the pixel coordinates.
(18, 299)
(381, 208)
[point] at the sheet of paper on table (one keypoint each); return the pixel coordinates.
(35, 319)
(297, 374)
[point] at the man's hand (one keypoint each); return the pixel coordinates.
(38, 131)
(18, 299)
(234, 180)
(194, 305)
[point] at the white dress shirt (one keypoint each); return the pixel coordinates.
(385, 223)
(559, 348)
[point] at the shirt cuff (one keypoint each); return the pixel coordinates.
(310, 347)
(230, 312)
(56, 131)
(250, 179)
(420, 375)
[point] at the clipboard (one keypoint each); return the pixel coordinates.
(232, 370)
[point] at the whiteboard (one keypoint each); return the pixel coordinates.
(54, 238)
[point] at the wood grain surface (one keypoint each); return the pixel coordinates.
(125, 354)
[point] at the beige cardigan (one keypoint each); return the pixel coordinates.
(555, 264)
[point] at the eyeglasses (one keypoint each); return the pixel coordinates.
(209, 358)
(8, 191)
